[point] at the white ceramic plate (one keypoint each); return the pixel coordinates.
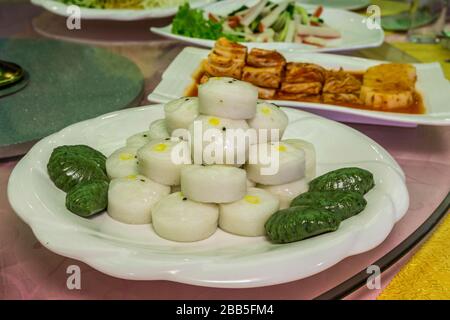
(339, 4)
(355, 34)
(431, 83)
(61, 9)
(223, 260)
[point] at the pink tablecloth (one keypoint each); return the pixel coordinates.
(30, 271)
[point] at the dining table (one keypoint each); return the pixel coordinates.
(28, 270)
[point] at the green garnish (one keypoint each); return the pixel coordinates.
(191, 23)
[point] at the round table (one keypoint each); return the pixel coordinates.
(30, 271)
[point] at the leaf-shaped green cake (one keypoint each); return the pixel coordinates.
(68, 167)
(344, 204)
(81, 150)
(88, 198)
(344, 179)
(297, 223)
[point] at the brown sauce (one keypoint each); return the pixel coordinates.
(416, 108)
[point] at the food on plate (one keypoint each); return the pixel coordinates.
(265, 21)
(122, 162)
(178, 218)
(341, 86)
(214, 133)
(158, 130)
(250, 183)
(117, 4)
(228, 98)
(226, 59)
(180, 113)
(192, 23)
(157, 179)
(385, 87)
(214, 183)
(300, 72)
(302, 81)
(289, 161)
(344, 179)
(268, 117)
(155, 160)
(131, 199)
(247, 216)
(287, 192)
(138, 140)
(344, 204)
(71, 165)
(310, 155)
(389, 86)
(88, 198)
(80, 150)
(298, 223)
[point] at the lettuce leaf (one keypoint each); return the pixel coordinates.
(191, 23)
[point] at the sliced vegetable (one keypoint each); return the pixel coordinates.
(290, 34)
(303, 14)
(344, 204)
(268, 20)
(322, 31)
(318, 11)
(253, 13)
(344, 179)
(297, 223)
(88, 198)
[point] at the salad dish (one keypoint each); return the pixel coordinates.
(126, 10)
(272, 24)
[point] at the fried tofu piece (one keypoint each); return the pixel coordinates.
(341, 82)
(266, 93)
(204, 78)
(229, 49)
(304, 72)
(227, 59)
(306, 87)
(332, 98)
(269, 77)
(389, 86)
(265, 58)
(298, 96)
(221, 66)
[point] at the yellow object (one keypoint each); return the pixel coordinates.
(126, 156)
(281, 148)
(214, 121)
(266, 111)
(252, 199)
(427, 53)
(427, 275)
(160, 147)
(132, 177)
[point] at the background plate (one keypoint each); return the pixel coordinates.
(355, 34)
(223, 260)
(431, 83)
(115, 14)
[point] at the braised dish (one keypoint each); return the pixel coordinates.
(385, 87)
